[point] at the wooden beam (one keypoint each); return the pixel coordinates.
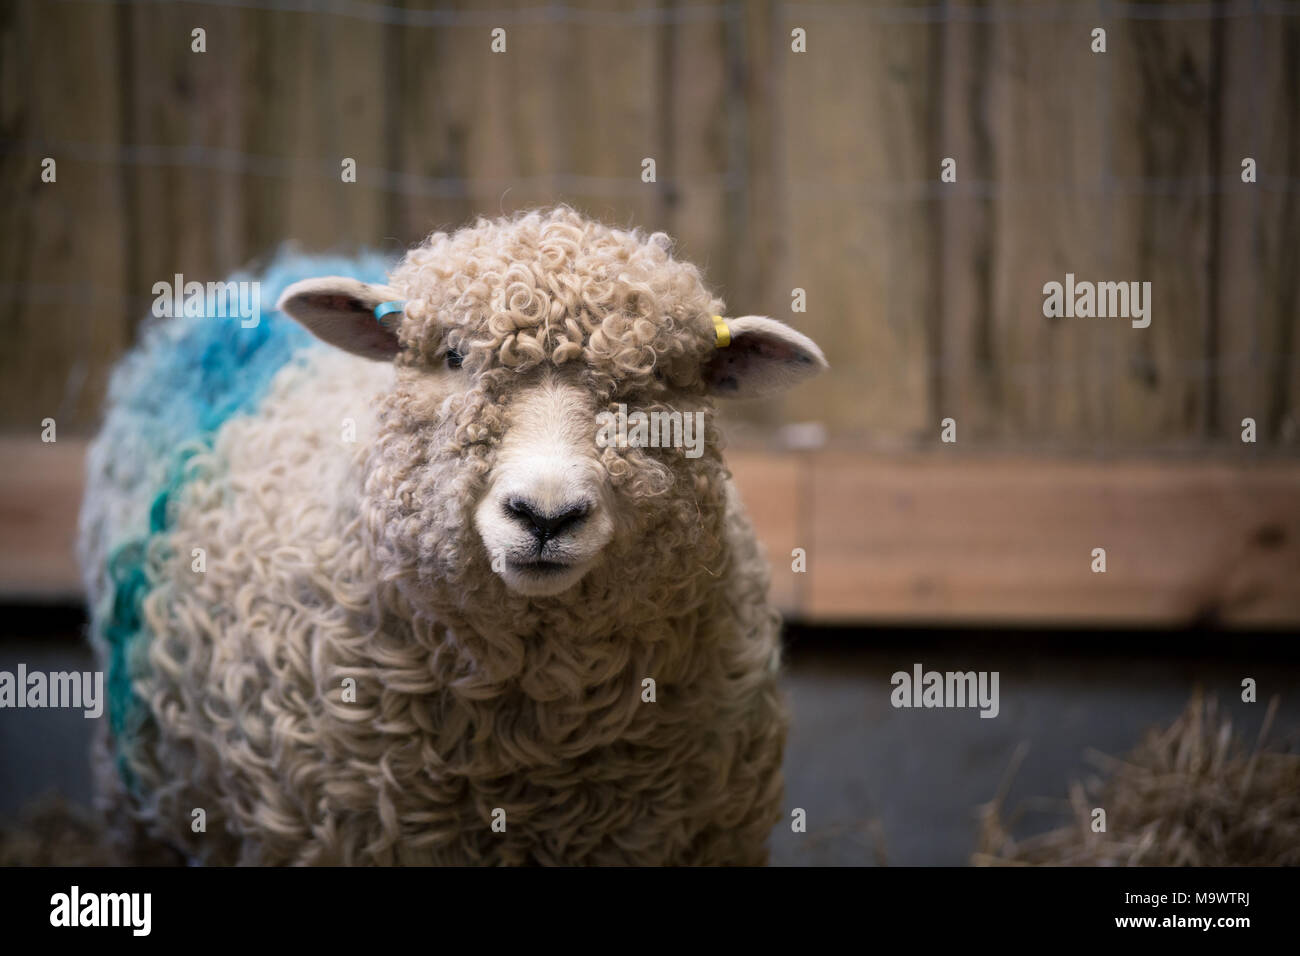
(40, 496)
(918, 539)
(929, 539)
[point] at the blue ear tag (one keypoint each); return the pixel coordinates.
(388, 308)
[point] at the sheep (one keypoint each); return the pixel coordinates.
(390, 602)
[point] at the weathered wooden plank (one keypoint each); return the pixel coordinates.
(505, 112)
(859, 241)
(62, 263)
(772, 489)
(697, 91)
(40, 497)
(555, 117)
(186, 209)
(337, 98)
(777, 170)
(752, 224)
(1258, 283)
(609, 110)
(1006, 540)
(923, 539)
(247, 139)
(756, 226)
(1040, 142)
(1165, 90)
(270, 58)
(433, 76)
(964, 383)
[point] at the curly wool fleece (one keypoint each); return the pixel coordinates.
(305, 636)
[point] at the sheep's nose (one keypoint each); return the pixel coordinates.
(543, 525)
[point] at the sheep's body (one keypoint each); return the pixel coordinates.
(328, 564)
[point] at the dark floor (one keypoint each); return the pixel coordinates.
(905, 783)
(878, 784)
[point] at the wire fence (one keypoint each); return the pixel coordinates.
(1247, 356)
(1062, 11)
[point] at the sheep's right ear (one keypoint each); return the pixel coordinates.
(341, 312)
(757, 356)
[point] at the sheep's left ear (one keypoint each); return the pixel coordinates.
(763, 357)
(341, 311)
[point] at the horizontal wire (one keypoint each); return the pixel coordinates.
(1067, 11)
(521, 16)
(226, 160)
(84, 294)
(218, 159)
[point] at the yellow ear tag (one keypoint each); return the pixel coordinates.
(723, 333)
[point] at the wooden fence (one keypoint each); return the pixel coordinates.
(907, 539)
(776, 169)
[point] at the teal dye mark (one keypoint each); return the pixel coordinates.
(121, 633)
(124, 630)
(158, 522)
(195, 378)
(158, 513)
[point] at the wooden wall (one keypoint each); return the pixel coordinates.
(904, 539)
(776, 170)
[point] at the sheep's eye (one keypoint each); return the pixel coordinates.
(453, 359)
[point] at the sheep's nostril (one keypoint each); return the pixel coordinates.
(545, 525)
(569, 518)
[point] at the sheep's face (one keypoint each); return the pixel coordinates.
(548, 505)
(551, 421)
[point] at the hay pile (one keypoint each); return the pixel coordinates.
(53, 832)
(1193, 794)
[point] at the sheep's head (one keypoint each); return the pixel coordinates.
(525, 349)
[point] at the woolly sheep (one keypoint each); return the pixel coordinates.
(433, 643)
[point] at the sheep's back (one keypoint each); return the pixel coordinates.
(169, 402)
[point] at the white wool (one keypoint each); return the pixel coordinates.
(330, 562)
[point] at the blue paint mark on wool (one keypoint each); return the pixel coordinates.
(188, 376)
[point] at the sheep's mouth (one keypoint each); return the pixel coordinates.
(539, 566)
(541, 577)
